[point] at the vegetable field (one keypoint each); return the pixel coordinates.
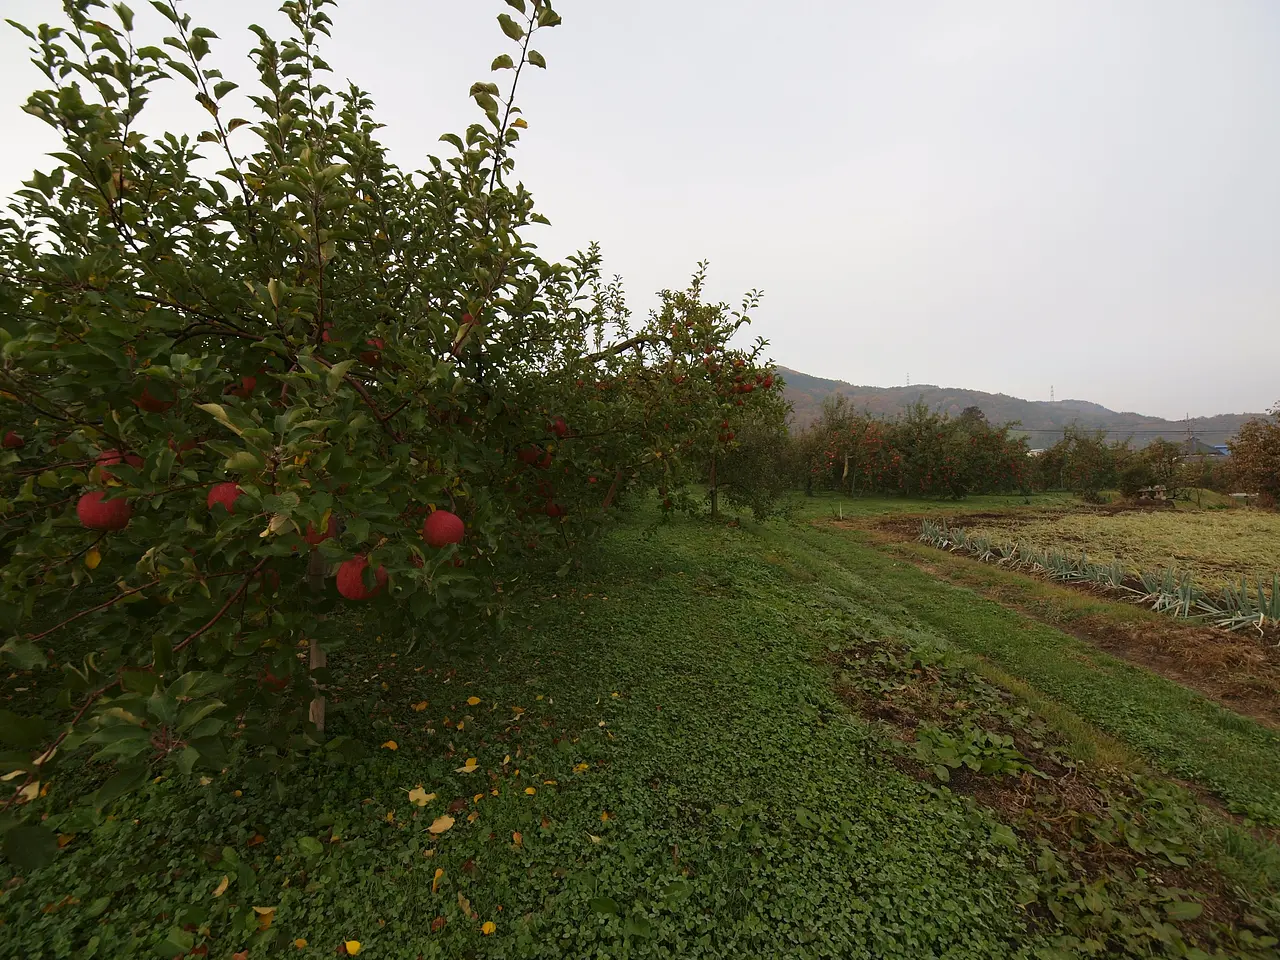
(1214, 546)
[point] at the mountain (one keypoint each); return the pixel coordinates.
(1042, 421)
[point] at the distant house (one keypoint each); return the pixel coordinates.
(1195, 447)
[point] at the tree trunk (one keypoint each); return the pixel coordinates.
(715, 492)
(316, 568)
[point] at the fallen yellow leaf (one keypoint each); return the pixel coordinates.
(265, 916)
(390, 745)
(257, 839)
(594, 838)
(581, 768)
(435, 881)
(440, 824)
(473, 816)
(221, 888)
(517, 838)
(488, 927)
(353, 947)
(420, 797)
(531, 790)
(605, 815)
(64, 839)
(473, 701)
(469, 766)
(420, 706)
(300, 942)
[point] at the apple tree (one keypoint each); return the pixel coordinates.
(255, 375)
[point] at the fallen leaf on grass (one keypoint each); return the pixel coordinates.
(420, 797)
(488, 927)
(435, 881)
(352, 947)
(300, 943)
(265, 916)
(420, 706)
(517, 838)
(605, 815)
(531, 790)
(240, 955)
(440, 825)
(389, 745)
(221, 888)
(257, 839)
(594, 838)
(581, 767)
(438, 924)
(469, 767)
(473, 701)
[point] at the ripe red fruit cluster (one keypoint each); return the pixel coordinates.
(12, 441)
(225, 494)
(442, 529)
(351, 579)
(96, 512)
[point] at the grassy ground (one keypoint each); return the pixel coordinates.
(1177, 730)
(1214, 545)
(663, 767)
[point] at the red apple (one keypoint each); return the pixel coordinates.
(315, 537)
(351, 579)
(109, 458)
(225, 494)
(545, 462)
(150, 403)
(244, 389)
(269, 681)
(12, 441)
(443, 528)
(554, 510)
(96, 512)
(559, 427)
(374, 357)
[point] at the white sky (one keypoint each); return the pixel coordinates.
(994, 195)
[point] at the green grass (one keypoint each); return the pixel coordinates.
(698, 789)
(824, 506)
(749, 813)
(1173, 728)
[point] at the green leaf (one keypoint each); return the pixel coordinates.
(310, 846)
(28, 847)
(125, 15)
(24, 653)
(337, 372)
(638, 926)
(1183, 909)
(604, 905)
(537, 59)
(220, 90)
(244, 461)
(19, 731)
(548, 17)
(510, 27)
(503, 62)
(516, 5)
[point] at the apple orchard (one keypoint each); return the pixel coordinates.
(255, 377)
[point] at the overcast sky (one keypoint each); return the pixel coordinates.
(995, 195)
